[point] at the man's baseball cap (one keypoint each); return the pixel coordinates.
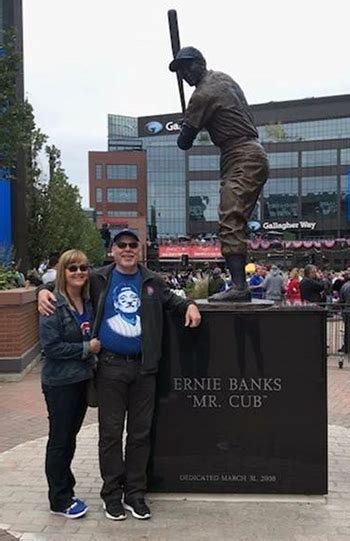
(184, 55)
(124, 232)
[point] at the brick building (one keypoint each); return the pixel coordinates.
(118, 190)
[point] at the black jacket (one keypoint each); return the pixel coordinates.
(310, 290)
(155, 298)
(344, 294)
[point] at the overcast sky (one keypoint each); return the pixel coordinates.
(86, 58)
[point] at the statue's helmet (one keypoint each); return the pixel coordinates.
(186, 54)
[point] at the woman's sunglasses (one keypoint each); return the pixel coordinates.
(122, 245)
(75, 268)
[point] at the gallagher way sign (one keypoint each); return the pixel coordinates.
(271, 226)
(159, 125)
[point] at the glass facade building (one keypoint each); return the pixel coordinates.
(308, 144)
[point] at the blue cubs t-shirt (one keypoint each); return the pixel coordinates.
(84, 323)
(120, 329)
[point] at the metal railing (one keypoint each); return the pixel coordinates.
(338, 332)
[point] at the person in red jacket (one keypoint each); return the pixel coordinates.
(293, 286)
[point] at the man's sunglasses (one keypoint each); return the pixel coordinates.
(122, 245)
(75, 268)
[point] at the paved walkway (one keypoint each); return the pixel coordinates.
(23, 492)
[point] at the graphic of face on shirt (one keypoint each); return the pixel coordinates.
(126, 303)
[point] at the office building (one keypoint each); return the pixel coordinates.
(305, 200)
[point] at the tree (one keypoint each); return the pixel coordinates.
(37, 202)
(67, 224)
(16, 117)
(276, 132)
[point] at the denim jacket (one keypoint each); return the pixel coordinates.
(67, 358)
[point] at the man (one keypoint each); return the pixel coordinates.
(311, 286)
(51, 271)
(128, 300)
(344, 299)
(255, 283)
(216, 282)
(273, 285)
(219, 105)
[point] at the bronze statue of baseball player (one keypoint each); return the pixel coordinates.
(218, 104)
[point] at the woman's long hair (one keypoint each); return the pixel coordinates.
(294, 273)
(71, 257)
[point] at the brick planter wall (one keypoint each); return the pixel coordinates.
(19, 340)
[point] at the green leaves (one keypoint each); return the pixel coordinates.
(16, 116)
(67, 225)
(8, 278)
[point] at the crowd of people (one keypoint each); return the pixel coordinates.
(308, 284)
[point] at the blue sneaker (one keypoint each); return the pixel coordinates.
(76, 510)
(75, 499)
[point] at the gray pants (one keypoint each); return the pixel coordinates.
(244, 171)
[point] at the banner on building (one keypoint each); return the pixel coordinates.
(5, 217)
(193, 252)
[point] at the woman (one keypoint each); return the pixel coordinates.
(293, 287)
(68, 365)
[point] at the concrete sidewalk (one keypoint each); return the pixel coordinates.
(23, 493)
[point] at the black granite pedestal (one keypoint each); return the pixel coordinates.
(242, 403)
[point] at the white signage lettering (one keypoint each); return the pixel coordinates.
(249, 393)
(289, 225)
(172, 126)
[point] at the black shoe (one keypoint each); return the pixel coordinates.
(341, 350)
(232, 295)
(114, 510)
(138, 508)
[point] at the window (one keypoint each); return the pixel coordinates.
(345, 201)
(319, 200)
(334, 128)
(204, 163)
(280, 160)
(204, 200)
(281, 199)
(122, 126)
(281, 186)
(122, 195)
(121, 172)
(345, 156)
(316, 158)
(122, 213)
(98, 171)
(318, 185)
(98, 195)
(166, 186)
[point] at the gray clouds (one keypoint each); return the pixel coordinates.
(85, 59)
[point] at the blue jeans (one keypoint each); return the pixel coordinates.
(66, 406)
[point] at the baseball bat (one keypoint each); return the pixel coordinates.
(175, 46)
